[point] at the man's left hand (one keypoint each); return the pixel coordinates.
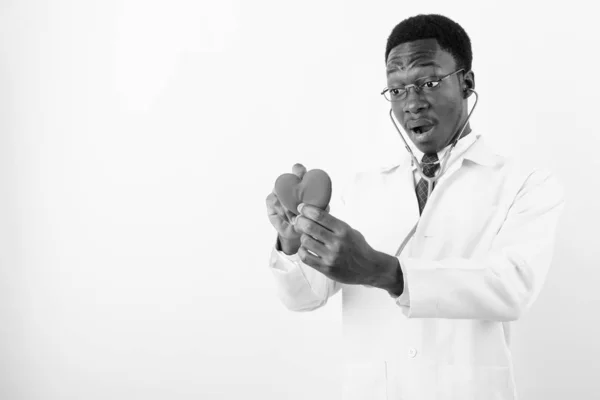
(343, 254)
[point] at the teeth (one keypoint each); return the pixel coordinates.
(421, 129)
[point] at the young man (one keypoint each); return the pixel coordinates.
(429, 319)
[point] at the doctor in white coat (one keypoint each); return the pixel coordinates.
(427, 312)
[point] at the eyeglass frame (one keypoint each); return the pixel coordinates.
(418, 88)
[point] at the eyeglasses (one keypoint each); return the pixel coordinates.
(427, 85)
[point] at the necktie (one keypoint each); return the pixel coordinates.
(429, 168)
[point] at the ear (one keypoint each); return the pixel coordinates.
(468, 84)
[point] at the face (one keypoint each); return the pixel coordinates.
(431, 119)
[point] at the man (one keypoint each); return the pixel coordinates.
(431, 318)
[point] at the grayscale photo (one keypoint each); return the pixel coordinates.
(276, 200)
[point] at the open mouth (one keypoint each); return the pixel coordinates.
(419, 130)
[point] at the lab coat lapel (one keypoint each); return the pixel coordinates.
(399, 209)
(478, 153)
(425, 231)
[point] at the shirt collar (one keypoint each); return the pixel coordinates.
(463, 145)
(472, 147)
(480, 153)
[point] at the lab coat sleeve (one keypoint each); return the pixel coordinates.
(504, 283)
(299, 286)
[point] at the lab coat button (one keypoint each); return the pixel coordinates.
(412, 352)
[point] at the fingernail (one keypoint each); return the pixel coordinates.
(300, 206)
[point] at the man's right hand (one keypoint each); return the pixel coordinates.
(281, 218)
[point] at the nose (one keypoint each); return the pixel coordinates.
(414, 103)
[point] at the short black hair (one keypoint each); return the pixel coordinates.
(450, 36)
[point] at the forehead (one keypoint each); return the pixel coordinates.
(418, 54)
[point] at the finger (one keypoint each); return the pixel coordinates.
(286, 215)
(274, 207)
(276, 222)
(317, 248)
(283, 227)
(322, 218)
(289, 215)
(299, 170)
(314, 230)
(310, 259)
(278, 213)
(283, 214)
(272, 200)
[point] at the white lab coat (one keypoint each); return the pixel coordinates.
(477, 261)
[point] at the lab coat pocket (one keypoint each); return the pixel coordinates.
(365, 380)
(433, 246)
(469, 382)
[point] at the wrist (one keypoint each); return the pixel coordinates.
(288, 246)
(391, 278)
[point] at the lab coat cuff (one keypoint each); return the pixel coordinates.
(286, 271)
(295, 289)
(423, 298)
(404, 298)
(282, 261)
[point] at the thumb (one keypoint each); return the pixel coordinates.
(299, 170)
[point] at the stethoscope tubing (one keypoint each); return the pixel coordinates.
(430, 180)
(437, 175)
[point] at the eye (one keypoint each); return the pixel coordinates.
(396, 92)
(430, 84)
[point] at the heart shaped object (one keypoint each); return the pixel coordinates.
(314, 188)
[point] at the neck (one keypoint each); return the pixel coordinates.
(455, 136)
(466, 131)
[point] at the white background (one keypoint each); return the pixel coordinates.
(139, 139)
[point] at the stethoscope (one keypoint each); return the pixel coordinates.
(440, 171)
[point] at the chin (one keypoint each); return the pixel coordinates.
(427, 149)
(428, 146)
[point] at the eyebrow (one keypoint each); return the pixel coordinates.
(429, 63)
